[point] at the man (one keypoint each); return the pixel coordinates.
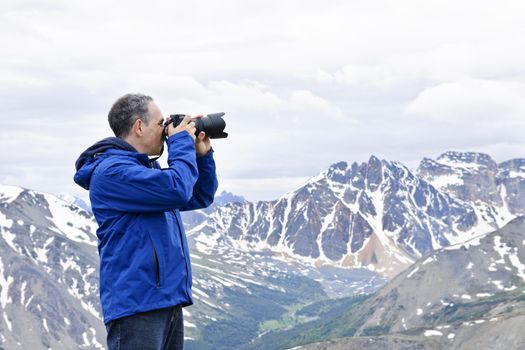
(145, 271)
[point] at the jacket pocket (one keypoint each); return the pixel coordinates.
(155, 264)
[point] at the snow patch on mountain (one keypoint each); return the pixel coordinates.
(9, 193)
(7, 235)
(78, 229)
(5, 282)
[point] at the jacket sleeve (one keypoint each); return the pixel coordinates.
(206, 185)
(132, 187)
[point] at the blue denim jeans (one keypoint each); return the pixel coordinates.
(161, 329)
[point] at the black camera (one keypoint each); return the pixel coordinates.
(212, 124)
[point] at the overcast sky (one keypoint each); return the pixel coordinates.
(304, 84)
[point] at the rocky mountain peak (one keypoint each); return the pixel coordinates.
(468, 176)
(369, 174)
(516, 166)
(228, 197)
(9, 193)
(466, 159)
(338, 172)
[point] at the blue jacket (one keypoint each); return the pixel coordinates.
(144, 256)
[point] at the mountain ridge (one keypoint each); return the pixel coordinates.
(385, 215)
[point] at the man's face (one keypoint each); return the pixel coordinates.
(153, 137)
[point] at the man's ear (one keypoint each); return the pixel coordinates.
(138, 127)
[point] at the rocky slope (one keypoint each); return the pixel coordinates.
(459, 286)
(466, 296)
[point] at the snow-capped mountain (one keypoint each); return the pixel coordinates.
(195, 217)
(378, 214)
(496, 192)
(79, 202)
(49, 294)
(228, 197)
(48, 273)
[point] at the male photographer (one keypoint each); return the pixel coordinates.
(145, 271)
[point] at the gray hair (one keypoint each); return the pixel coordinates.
(126, 110)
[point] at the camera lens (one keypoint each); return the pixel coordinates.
(212, 124)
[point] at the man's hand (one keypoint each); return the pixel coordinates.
(202, 144)
(185, 125)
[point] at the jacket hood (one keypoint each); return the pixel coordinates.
(87, 161)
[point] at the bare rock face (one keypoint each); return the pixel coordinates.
(467, 176)
(494, 191)
(511, 179)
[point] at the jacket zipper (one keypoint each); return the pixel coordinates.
(156, 264)
(183, 254)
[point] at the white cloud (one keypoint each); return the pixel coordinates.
(304, 83)
(472, 101)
